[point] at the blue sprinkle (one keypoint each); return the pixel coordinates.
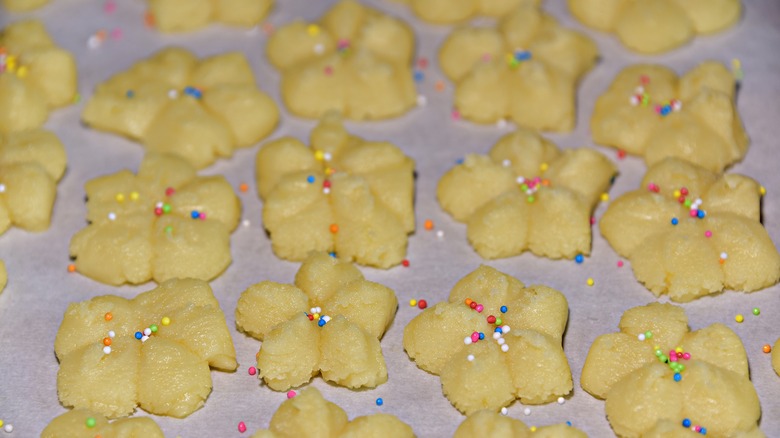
(700, 214)
(568, 423)
(579, 258)
(332, 254)
(481, 336)
(419, 76)
(459, 161)
(703, 431)
(677, 377)
(503, 309)
(195, 214)
(523, 55)
(665, 110)
(130, 94)
(686, 423)
(310, 179)
(192, 91)
(321, 322)
(139, 335)
(379, 401)
(675, 221)
(497, 329)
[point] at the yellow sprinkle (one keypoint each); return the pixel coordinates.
(313, 30)
(166, 320)
(319, 155)
(543, 167)
(316, 316)
(736, 63)
(120, 197)
(10, 63)
(412, 303)
(77, 98)
(590, 282)
(677, 194)
(762, 190)
(21, 72)
(604, 197)
(678, 350)
(134, 196)
(739, 318)
(1, 423)
(329, 171)
(533, 428)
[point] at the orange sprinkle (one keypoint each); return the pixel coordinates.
(439, 85)
(468, 301)
(106, 341)
(101, 34)
(71, 268)
(334, 228)
(109, 316)
(428, 224)
(243, 187)
(545, 182)
(767, 348)
(722, 261)
(149, 19)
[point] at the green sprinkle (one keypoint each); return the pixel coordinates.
(90, 422)
(167, 208)
(648, 335)
(499, 321)
(153, 328)
(756, 311)
(169, 229)
(531, 199)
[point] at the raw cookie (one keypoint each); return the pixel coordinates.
(656, 370)
(454, 11)
(297, 416)
(23, 5)
(188, 15)
(36, 76)
(172, 102)
(776, 357)
(494, 425)
(483, 365)
(653, 26)
(165, 222)
(31, 163)
(82, 423)
(525, 69)
(691, 232)
(152, 351)
(3, 276)
(342, 194)
(355, 60)
(329, 323)
(526, 194)
(650, 111)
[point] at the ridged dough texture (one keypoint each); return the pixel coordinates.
(457, 11)
(494, 425)
(526, 361)
(190, 15)
(36, 76)
(651, 112)
(633, 371)
(689, 232)
(328, 323)
(31, 164)
(74, 424)
(165, 222)
(175, 103)
(342, 194)
(526, 194)
(525, 69)
(166, 373)
(355, 60)
(654, 26)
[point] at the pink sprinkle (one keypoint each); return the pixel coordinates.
(486, 57)
(686, 356)
(328, 70)
(480, 308)
(202, 216)
(697, 428)
(592, 220)
(268, 28)
(474, 337)
(158, 211)
(291, 394)
(653, 187)
(116, 34)
(109, 7)
(620, 263)
(708, 233)
(455, 114)
(252, 371)
(672, 355)
(694, 213)
(241, 427)
(422, 63)
(644, 79)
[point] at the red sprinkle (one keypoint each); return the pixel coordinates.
(422, 304)
(241, 427)
(170, 191)
(252, 371)
(491, 319)
(620, 263)
(621, 154)
(405, 263)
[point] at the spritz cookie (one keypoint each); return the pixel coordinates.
(456, 11)
(82, 423)
(23, 5)
(494, 425)
(189, 15)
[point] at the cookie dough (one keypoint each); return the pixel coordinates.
(3, 276)
(493, 341)
(650, 111)
(154, 351)
(525, 69)
(189, 15)
(296, 417)
(165, 222)
(494, 425)
(31, 164)
(342, 194)
(23, 5)
(36, 76)
(355, 60)
(690, 232)
(174, 103)
(526, 194)
(455, 11)
(655, 370)
(654, 26)
(776, 357)
(329, 322)
(82, 423)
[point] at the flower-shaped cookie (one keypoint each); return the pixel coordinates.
(165, 222)
(35, 76)
(31, 163)
(3, 276)
(657, 371)
(356, 60)
(690, 232)
(307, 411)
(649, 111)
(189, 15)
(174, 103)
(495, 425)
(153, 351)
(483, 365)
(82, 423)
(454, 11)
(776, 357)
(329, 323)
(525, 69)
(343, 194)
(653, 26)
(527, 195)
(23, 5)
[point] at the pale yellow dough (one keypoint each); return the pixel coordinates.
(189, 15)
(776, 357)
(533, 368)
(494, 82)
(37, 75)
(714, 392)
(364, 216)
(166, 374)
(494, 425)
(455, 11)
(551, 219)
(355, 60)
(308, 414)
(706, 130)
(686, 261)
(23, 5)
(31, 164)
(174, 103)
(73, 424)
(127, 241)
(654, 26)
(345, 350)
(3, 276)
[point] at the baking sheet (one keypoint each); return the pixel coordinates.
(40, 287)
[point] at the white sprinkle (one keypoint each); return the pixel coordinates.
(112, 216)
(506, 163)
(327, 156)
(520, 180)
(504, 411)
(173, 94)
(505, 329)
(111, 334)
(159, 205)
(501, 341)
(467, 340)
(677, 105)
(313, 310)
(107, 349)
(639, 90)
(470, 357)
(326, 318)
(319, 309)
(505, 348)
(527, 411)
(319, 48)
(496, 335)
(501, 123)
(561, 400)
(422, 100)
(641, 336)
(2, 188)
(724, 256)
(634, 101)
(144, 338)
(93, 42)
(8, 428)
(440, 234)
(147, 331)
(326, 190)
(245, 222)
